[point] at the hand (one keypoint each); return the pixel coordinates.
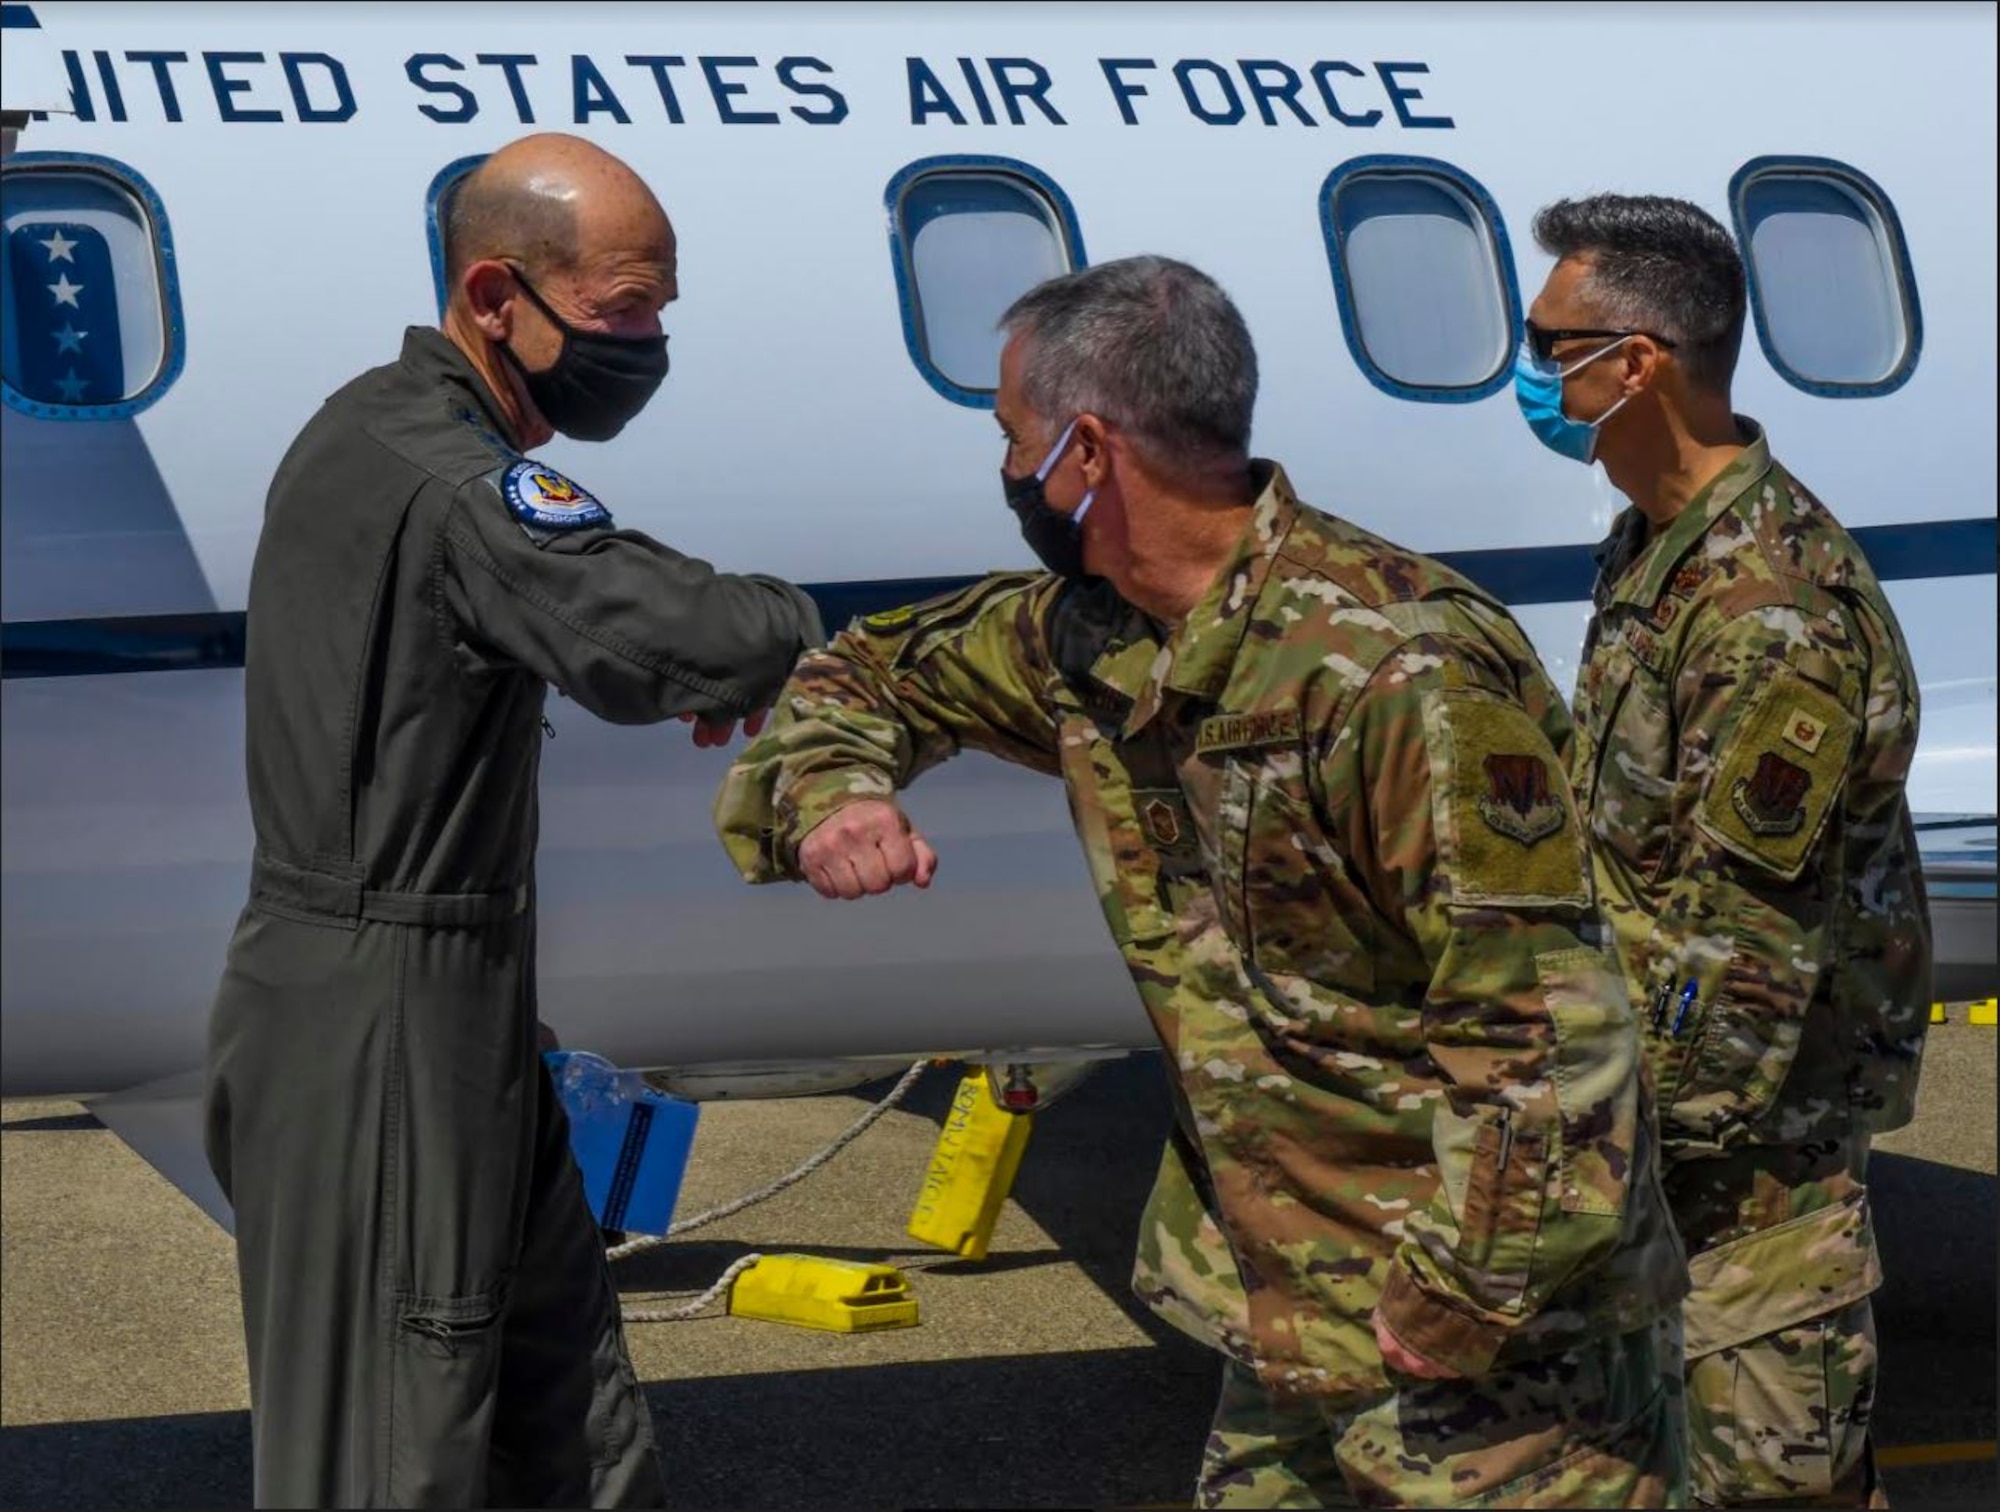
(1405, 1361)
(708, 734)
(866, 847)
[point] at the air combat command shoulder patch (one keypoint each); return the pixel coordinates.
(1517, 801)
(543, 501)
(1506, 825)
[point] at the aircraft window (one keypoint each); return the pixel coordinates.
(437, 203)
(92, 327)
(1830, 279)
(1423, 276)
(970, 235)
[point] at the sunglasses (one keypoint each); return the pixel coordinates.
(1542, 343)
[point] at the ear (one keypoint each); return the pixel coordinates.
(489, 291)
(1645, 364)
(1093, 450)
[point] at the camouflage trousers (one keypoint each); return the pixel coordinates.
(1782, 1420)
(1599, 1426)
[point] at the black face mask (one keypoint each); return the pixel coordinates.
(597, 382)
(1056, 538)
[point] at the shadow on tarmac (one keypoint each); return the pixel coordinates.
(1106, 1427)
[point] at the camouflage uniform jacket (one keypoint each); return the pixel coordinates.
(1745, 721)
(1331, 835)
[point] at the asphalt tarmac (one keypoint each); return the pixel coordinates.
(1033, 1379)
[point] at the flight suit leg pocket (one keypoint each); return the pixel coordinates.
(444, 1386)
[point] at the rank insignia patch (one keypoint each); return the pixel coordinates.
(542, 499)
(1517, 801)
(1162, 823)
(1804, 731)
(1688, 579)
(1771, 800)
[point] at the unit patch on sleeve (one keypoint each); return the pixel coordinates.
(1506, 825)
(1517, 801)
(542, 500)
(1776, 778)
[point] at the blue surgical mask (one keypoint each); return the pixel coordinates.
(1538, 388)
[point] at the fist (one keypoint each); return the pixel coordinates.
(866, 847)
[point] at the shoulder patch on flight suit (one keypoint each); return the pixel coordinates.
(542, 500)
(1776, 779)
(1506, 824)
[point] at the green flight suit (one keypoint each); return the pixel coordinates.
(429, 1316)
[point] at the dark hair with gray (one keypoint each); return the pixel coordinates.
(485, 218)
(1661, 265)
(1149, 344)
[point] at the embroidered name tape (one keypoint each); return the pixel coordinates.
(540, 497)
(1233, 732)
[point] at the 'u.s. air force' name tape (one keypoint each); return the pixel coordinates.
(1231, 732)
(543, 499)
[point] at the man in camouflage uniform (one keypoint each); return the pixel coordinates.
(1411, 1192)
(1745, 723)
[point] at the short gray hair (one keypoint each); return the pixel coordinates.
(1151, 345)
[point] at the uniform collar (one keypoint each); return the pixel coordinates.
(1634, 570)
(1198, 656)
(434, 357)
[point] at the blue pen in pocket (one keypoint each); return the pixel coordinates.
(1688, 994)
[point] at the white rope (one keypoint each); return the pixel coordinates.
(690, 1309)
(764, 1193)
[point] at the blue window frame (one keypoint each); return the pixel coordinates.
(437, 200)
(1831, 286)
(1424, 277)
(92, 303)
(968, 235)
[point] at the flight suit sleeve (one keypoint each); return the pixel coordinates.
(1769, 707)
(631, 629)
(1467, 835)
(891, 697)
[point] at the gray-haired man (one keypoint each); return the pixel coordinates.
(1410, 1190)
